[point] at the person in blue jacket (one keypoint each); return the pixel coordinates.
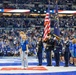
(17, 49)
(24, 50)
(74, 51)
(71, 51)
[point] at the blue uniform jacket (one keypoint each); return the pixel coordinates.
(67, 47)
(57, 46)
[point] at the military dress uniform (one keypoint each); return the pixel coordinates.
(66, 53)
(48, 49)
(57, 48)
(39, 52)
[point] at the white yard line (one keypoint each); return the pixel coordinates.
(34, 71)
(50, 69)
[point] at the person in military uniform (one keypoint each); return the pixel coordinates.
(57, 48)
(39, 50)
(48, 49)
(66, 51)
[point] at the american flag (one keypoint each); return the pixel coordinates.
(47, 28)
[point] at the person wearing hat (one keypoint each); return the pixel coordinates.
(57, 48)
(49, 47)
(39, 50)
(66, 51)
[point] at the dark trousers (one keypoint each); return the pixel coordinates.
(66, 58)
(48, 57)
(39, 55)
(57, 58)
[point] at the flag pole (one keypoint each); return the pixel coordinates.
(57, 21)
(57, 15)
(47, 28)
(49, 16)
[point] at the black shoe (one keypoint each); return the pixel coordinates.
(39, 65)
(56, 65)
(66, 66)
(49, 65)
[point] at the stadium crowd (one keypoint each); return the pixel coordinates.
(37, 5)
(23, 22)
(41, 1)
(32, 26)
(10, 40)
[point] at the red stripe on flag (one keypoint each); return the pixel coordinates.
(46, 26)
